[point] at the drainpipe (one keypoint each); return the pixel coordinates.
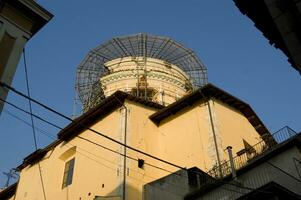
(125, 142)
(124, 150)
(214, 138)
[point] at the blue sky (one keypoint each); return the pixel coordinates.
(238, 58)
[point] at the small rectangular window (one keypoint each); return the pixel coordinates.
(68, 173)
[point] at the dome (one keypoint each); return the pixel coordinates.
(150, 55)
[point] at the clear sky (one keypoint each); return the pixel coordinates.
(238, 58)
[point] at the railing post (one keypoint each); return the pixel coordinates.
(229, 148)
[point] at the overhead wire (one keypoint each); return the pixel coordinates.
(30, 100)
(28, 124)
(32, 121)
(243, 187)
(160, 168)
(88, 128)
(109, 138)
(49, 135)
(82, 138)
(50, 123)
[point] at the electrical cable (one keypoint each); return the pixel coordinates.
(88, 157)
(283, 171)
(28, 124)
(94, 131)
(82, 138)
(29, 101)
(242, 187)
(49, 135)
(32, 121)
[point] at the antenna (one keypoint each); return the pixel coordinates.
(11, 174)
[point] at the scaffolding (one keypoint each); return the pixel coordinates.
(92, 68)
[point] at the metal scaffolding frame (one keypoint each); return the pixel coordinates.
(92, 68)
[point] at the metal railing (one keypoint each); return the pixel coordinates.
(253, 181)
(245, 156)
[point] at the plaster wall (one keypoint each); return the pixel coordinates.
(182, 139)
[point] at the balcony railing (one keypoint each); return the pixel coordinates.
(253, 181)
(247, 155)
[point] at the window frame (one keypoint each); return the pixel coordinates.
(68, 173)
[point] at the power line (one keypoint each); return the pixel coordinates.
(283, 171)
(139, 151)
(90, 129)
(81, 149)
(32, 121)
(107, 137)
(28, 124)
(49, 135)
(36, 116)
(29, 101)
(46, 121)
(82, 138)
(98, 162)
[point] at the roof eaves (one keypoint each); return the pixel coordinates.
(8, 192)
(104, 108)
(39, 15)
(37, 155)
(109, 104)
(100, 111)
(206, 92)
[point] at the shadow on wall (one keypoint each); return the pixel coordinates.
(117, 194)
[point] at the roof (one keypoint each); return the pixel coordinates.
(117, 99)
(258, 11)
(81, 123)
(38, 154)
(104, 108)
(8, 192)
(204, 93)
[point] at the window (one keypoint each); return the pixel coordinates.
(68, 173)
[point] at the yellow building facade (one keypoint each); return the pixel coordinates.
(184, 138)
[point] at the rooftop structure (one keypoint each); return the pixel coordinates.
(20, 20)
(279, 21)
(152, 67)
